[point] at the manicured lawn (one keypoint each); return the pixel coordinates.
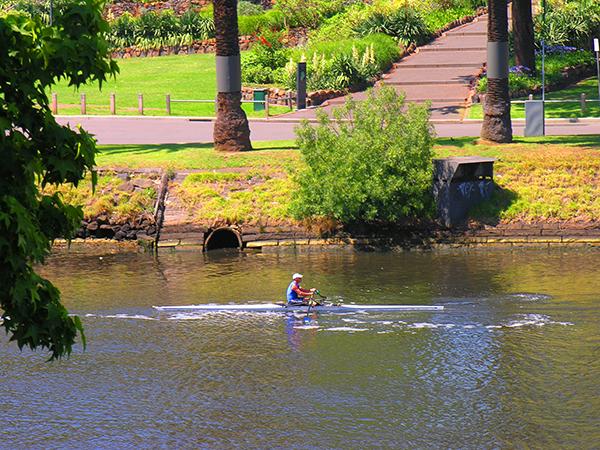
(184, 77)
(549, 178)
(588, 87)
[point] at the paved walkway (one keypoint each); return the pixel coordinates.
(440, 72)
(181, 130)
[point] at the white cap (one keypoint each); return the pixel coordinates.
(296, 275)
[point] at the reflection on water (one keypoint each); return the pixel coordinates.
(512, 361)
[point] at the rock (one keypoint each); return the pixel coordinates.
(132, 235)
(92, 226)
(105, 231)
(125, 227)
(126, 187)
(143, 183)
(123, 176)
(102, 219)
(120, 235)
(151, 230)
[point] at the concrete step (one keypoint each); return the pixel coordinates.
(427, 83)
(436, 65)
(468, 33)
(451, 49)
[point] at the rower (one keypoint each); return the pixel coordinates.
(297, 295)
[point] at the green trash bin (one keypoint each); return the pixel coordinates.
(259, 96)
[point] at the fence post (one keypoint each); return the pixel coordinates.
(83, 105)
(267, 104)
(583, 105)
(54, 103)
(141, 104)
(113, 104)
(168, 104)
(290, 101)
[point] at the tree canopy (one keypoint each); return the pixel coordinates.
(36, 151)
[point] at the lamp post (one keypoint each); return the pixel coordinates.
(543, 50)
(597, 50)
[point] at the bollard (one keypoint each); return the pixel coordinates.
(113, 104)
(267, 105)
(141, 104)
(168, 104)
(83, 105)
(54, 103)
(583, 105)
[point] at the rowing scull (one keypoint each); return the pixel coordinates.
(277, 307)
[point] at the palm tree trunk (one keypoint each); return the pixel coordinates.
(231, 131)
(522, 24)
(496, 106)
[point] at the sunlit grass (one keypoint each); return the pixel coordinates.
(183, 77)
(540, 179)
(570, 110)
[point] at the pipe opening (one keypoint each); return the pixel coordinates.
(223, 238)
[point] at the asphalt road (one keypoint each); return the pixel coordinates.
(180, 130)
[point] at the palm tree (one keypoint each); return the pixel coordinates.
(522, 23)
(496, 106)
(231, 131)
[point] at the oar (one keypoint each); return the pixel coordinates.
(310, 304)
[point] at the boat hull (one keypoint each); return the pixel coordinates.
(274, 307)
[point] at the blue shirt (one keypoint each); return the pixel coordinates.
(291, 294)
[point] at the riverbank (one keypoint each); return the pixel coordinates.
(548, 193)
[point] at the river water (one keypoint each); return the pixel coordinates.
(512, 361)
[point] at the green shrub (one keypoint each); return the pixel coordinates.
(554, 66)
(404, 24)
(374, 165)
(265, 55)
(571, 23)
(245, 8)
(438, 18)
(273, 20)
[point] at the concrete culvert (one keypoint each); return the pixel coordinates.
(223, 238)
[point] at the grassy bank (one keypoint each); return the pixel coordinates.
(541, 179)
(572, 109)
(184, 77)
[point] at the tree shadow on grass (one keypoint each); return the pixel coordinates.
(584, 140)
(489, 212)
(135, 149)
(140, 149)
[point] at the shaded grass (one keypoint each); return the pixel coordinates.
(588, 87)
(184, 77)
(540, 179)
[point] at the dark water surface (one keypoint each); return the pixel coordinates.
(512, 362)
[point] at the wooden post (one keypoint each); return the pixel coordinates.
(267, 104)
(54, 103)
(168, 99)
(113, 104)
(583, 104)
(141, 104)
(83, 105)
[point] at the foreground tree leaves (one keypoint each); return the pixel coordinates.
(36, 151)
